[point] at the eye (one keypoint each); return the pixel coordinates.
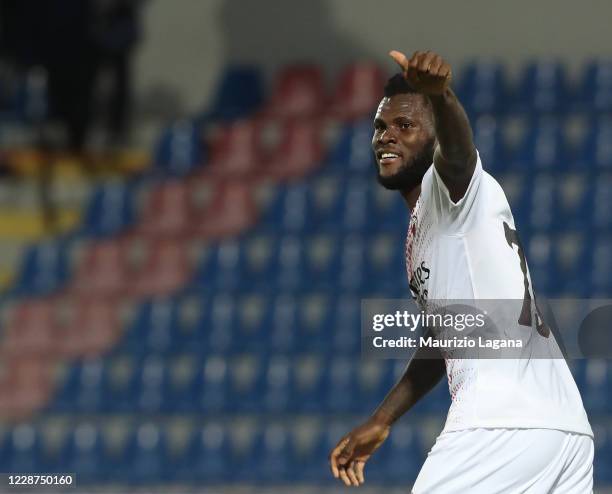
(378, 126)
(406, 125)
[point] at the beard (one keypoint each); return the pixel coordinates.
(411, 173)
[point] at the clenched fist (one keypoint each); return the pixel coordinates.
(425, 71)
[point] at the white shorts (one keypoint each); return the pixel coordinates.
(490, 461)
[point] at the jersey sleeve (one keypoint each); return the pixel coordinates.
(454, 217)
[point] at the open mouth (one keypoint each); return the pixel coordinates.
(388, 158)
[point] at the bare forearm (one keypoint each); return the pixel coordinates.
(421, 375)
(453, 130)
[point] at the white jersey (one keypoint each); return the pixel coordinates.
(468, 250)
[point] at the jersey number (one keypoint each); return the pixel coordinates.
(525, 316)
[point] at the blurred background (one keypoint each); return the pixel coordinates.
(189, 219)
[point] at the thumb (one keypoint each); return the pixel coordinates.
(347, 453)
(400, 59)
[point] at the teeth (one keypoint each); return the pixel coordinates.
(389, 155)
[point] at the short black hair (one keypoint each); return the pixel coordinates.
(398, 85)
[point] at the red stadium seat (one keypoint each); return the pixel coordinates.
(299, 152)
(91, 327)
(232, 209)
(26, 384)
(103, 269)
(299, 92)
(167, 210)
(31, 330)
(166, 268)
(358, 91)
(236, 149)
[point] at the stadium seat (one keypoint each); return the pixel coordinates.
(32, 329)
(402, 458)
(231, 211)
(601, 263)
(44, 268)
(274, 459)
(239, 93)
(298, 152)
(596, 88)
(298, 92)
(543, 148)
(482, 88)
(110, 210)
(236, 150)
(489, 141)
(208, 455)
(22, 450)
(83, 452)
(595, 151)
(358, 91)
(167, 212)
(153, 328)
(145, 454)
(102, 269)
(543, 88)
(165, 267)
(602, 467)
(179, 149)
(352, 150)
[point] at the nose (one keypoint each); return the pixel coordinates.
(387, 136)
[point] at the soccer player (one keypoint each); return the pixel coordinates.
(514, 425)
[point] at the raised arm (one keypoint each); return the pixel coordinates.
(455, 156)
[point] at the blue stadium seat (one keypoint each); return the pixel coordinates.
(154, 328)
(44, 268)
(21, 450)
(151, 386)
(543, 88)
(601, 266)
(239, 93)
(314, 321)
(291, 209)
(83, 453)
(596, 88)
(595, 151)
(403, 456)
(179, 149)
(121, 385)
(211, 385)
(219, 323)
(602, 464)
(597, 385)
(273, 459)
(600, 195)
(207, 457)
(543, 147)
(543, 203)
(352, 152)
(309, 451)
(490, 143)
(342, 394)
(110, 210)
(248, 382)
(482, 88)
(145, 454)
(308, 393)
(84, 388)
(540, 258)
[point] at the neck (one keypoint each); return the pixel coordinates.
(411, 196)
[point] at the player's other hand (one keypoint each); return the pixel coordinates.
(348, 458)
(425, 71)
